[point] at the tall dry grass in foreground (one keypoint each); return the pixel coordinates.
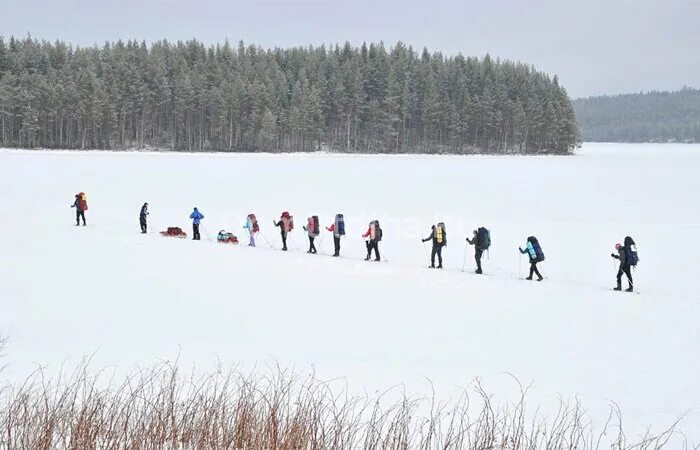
(276, 409)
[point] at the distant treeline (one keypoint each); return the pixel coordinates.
(643, 117)
(186, 96)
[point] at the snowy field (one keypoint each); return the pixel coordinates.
(129, 299)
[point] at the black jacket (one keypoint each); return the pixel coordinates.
(621, 256)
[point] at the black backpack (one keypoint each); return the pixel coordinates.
(377, 231)
(632, 257)
(315, 222)
(483, 238)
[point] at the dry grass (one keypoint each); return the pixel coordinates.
(277, 409)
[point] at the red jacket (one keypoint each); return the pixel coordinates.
(369, 231)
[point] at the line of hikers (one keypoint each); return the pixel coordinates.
(481, 239)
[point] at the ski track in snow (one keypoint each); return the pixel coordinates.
(68, 292)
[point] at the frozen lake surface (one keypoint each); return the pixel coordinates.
(67, 292)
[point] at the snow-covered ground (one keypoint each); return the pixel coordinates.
(66, 292)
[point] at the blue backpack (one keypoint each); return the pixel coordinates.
(539, 254)
(339, 225)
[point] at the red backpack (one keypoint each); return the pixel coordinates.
(288, 221)
(254, 221)
(83, 201)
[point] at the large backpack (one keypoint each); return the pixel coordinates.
(631, 255)
(312, 226)
(339, 225)
(254, 222)
(82, 199)
(288, 221)
(539, 254)
(483, 238)
(440, 233)
(377, 231)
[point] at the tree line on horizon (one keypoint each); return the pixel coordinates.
(190, 97)
(656, 116)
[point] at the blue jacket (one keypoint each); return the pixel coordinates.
(530, 250)
(196, 216)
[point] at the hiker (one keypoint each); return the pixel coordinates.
(372, 237)
(627, 255)
(536, 255)
(311, 229)
(338, 230)
(196, 217)
(251, 225)
(286, 225)
(80, 205)
(439, 237)
(142, 218)
(481, 240)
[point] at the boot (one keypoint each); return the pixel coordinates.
(478, 271)
(529, 278)
(629, 289)
(367, 258)
(336, 254)
(432, 266)
(540, 278)
(439, 266)
(618, 287)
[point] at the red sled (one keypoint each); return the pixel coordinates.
(175, 232)
(226, 238)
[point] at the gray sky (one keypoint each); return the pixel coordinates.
(595, 46)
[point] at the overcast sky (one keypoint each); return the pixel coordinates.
(595, 46)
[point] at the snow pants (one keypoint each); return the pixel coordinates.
(533, 269)
(437, 250)
(373, 245)
(78, 214)
(477, 257)
(312, 247)
(195, 232)
(336, 245)
(627, 270)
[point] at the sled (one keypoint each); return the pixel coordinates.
(226, 238)
(175, 232)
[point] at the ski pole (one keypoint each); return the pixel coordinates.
(464, 260)
(425, 250)
(265, 239)
(520, 265)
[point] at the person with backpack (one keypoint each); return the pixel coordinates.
(439, 237)
(311, 229)
(481, 241)
(286, 224)
(338, 230)
(372, 237)
(80, 205)
(143, 216)
(534, 251)
(627, 255)
(251, 225)
(196, 217)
